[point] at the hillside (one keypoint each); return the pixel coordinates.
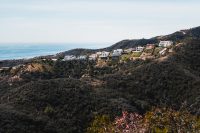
(131, 43)
(119, 45)
(60, 97)
(176, 36)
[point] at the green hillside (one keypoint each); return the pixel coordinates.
(65, 97)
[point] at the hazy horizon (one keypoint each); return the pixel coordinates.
(91, 21)
(25, 51)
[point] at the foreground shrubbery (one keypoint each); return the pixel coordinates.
(64, 100)
(155, 121)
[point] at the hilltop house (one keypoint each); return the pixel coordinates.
(117, 53)
(69, 57)
(165, 43)
(4, 68)
(93, 57)
(54, 59)
(104, 55)
(139, 49)
(82, 57)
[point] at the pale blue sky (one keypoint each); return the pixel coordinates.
(93, 21)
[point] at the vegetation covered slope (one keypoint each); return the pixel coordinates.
(69, 105)
(172, 81)
(193, 33)
(63, 100)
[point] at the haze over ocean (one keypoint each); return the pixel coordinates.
(16, 51)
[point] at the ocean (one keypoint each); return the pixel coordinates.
(20, 51)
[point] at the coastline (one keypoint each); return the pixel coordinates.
(28, 51)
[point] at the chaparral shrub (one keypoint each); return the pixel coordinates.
(155, 121)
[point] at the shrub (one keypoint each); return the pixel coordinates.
(126, 57)
(100, 124)
(130, 123)
(155, 121)
(136, 54)
(49, 110)
(168, 120)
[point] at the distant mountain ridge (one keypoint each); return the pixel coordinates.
(119, 45)
(176, 36)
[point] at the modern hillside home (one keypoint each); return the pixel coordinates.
(117, 52)
(4, 68)
(82, 57)
(165, 43)
(104, 55)
(54, 59)
(139, 49)
(69, 57)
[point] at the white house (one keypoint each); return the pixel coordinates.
(139, 49)
(82, 57)
(117, 52)
(165, 43)
(54, 59)
(93, 57)
(69, 57)
(4, 68)
(104, 54)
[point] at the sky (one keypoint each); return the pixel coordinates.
(93, 21)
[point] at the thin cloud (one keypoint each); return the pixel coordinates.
(92, 20)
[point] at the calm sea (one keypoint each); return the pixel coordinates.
(18, 51)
